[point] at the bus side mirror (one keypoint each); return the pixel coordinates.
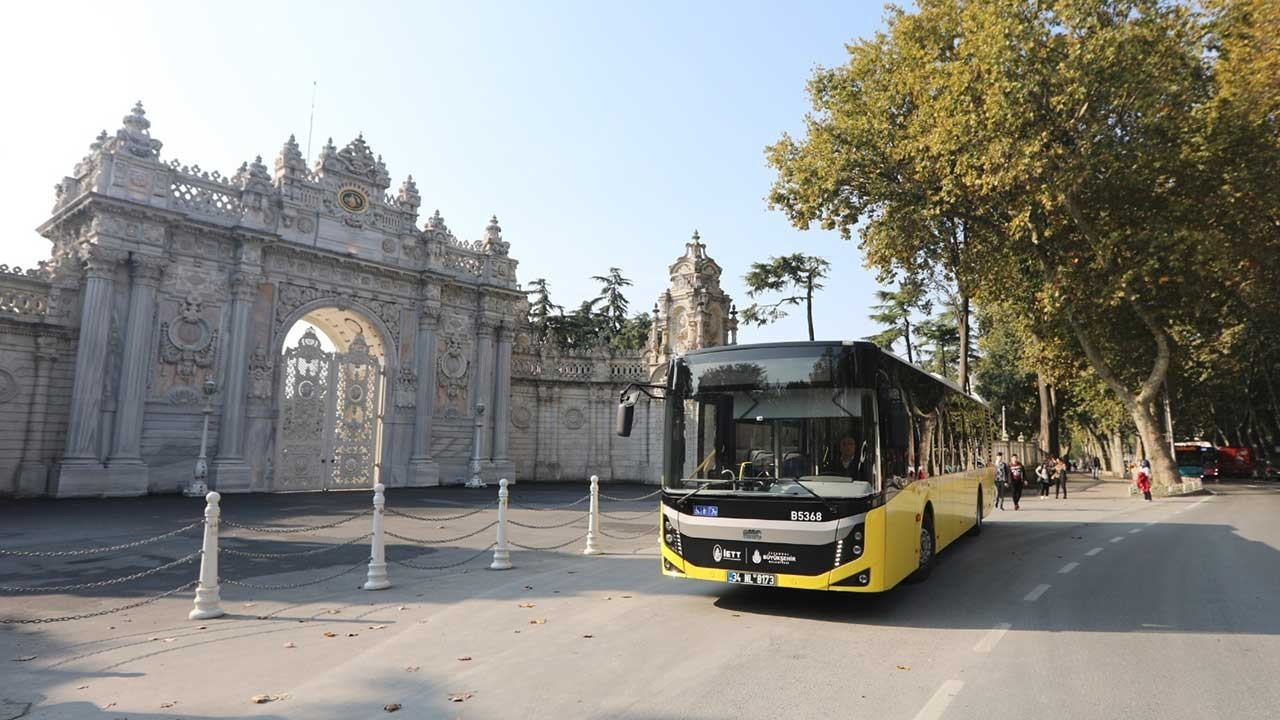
(626, 414)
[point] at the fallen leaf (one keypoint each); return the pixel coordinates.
(538, 621)
(626, 597)
(459, 697)
(334, 611)
(168, 704)
(260, 699)
(391, 707)
(413, 668)
(203, 627)
(517, 632)
(377, 627)
(904, 667)
(610, 597)
(588, 636)
(556, 592)
(403, 607)
(353, 634)
(525, 605)
(24, 658)
(290, 645)
(330, 634)
(464, 658)
(571, 572)
(108, 705)
(251, 604)
(168, 639)
(528, 587)
(82, 687)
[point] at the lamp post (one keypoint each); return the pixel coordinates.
(1004, 431)
(199, 486)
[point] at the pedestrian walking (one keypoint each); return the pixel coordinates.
(1060, 480)
(1042, 477)
(1097, 467)
(1016, 479)
(1143, 480)
(1002, 479)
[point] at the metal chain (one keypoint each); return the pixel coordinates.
(622, 499)
(647, 531)
(93, 551)
(441, 541)
(316, 551)
(531, 526)
(548, 547)
(522, 506)
(256, 586)
(285, 531)
(460, 563)
(99, 613)
(421, 518)
(103, 583)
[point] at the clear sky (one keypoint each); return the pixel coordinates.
(600, 133)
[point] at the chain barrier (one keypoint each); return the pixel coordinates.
(102, 583)
(98, 613)
(447, 566)
(94, 551)
(566, 506)
(646, 531)
(422, 518)
(547, 547)
(286, 531)
(567, 523)
(291, 586)
(418, 541)
(316, 551)
(632, 499)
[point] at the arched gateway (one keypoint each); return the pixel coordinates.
(167, 275)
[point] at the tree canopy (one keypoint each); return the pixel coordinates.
(798, 272)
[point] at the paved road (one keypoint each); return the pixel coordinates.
(1099, 606)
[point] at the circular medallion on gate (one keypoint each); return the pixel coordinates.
(350, 466)
(573, 419)
(300, 465)
(352, 200)
(306, 389)
(356, 394)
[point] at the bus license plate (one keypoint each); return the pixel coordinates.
(746, 578)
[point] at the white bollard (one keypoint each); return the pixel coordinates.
(377, 579)
(593, 518)
(501, 553)
(208, 599)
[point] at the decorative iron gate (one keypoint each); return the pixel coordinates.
(328, 433)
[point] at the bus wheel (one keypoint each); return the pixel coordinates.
(976, 530)
(928, 550)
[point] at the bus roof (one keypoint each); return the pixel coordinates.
(818, 344)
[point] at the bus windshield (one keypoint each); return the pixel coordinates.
(771, 440)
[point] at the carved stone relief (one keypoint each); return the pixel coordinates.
(187, 349)
(295, 296)
(406, 388)
(8, 386)
(260, 374)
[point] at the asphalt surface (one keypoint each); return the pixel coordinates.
(1099, 606)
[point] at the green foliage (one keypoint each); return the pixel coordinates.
(598, 322)
(613, 310)
(798, 272)
(894, 311)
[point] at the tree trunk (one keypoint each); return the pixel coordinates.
(808, 302)
(1048, 418)
(1117, 452)
(1164, 469)
(906, 333)
(962, 325)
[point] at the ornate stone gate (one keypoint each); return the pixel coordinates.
(329, 417)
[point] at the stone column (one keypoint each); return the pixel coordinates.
(502, 465)
(230, 471)
(124, 463)
(81, 473)
(33, 473)
(422, 469)
(484, 386)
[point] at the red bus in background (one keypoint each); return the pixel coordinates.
(1236, 461)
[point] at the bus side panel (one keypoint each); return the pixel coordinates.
(902, 534)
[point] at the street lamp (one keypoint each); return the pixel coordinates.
(199, 486)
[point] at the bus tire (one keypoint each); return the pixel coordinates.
(976, 530)
(928, 549)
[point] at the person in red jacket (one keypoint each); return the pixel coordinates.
(1143, 480)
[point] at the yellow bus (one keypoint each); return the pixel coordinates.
(815, 465)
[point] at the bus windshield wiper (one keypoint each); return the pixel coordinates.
(796, 480)
(693, 492)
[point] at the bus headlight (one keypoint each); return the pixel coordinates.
(671, 536)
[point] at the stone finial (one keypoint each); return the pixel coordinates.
(493, 243)
(408, 195)
(327, 153)
(290, 163)
(135, 137)
(258, 178)
(435, 225)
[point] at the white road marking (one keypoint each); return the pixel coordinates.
(1135, 531)
(937, 704)
(992, 637)
(1153, 522)
(1094, 551)
(1034, 595)
(1068, 568)
(1117, 539)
